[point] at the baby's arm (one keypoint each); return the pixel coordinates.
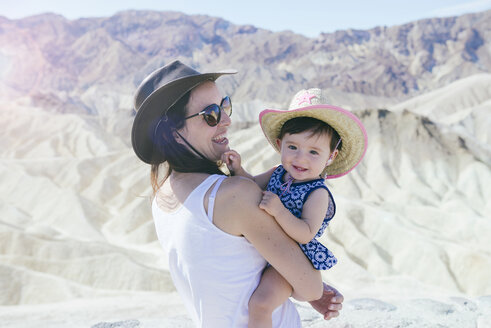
(313, 213)
(233, 161)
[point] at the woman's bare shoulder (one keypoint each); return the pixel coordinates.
(240, 192)
(242, 184)
(238, 198)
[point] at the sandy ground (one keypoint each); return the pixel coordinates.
(412, 230)
(154, 310)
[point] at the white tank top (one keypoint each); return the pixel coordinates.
(214, 272)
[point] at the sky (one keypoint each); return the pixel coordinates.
(309, 18)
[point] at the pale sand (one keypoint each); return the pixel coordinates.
(164, 310)
(412, 231)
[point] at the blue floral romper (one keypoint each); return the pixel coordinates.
(319, 255)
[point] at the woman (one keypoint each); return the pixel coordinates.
(217, 239)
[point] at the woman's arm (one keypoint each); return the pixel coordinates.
(237, 212)
(313, 213)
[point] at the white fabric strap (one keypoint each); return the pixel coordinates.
(211, 200)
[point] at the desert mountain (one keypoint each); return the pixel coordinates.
(93, 65)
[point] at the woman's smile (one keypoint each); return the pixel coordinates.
(221, 139)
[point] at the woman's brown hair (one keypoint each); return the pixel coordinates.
(177, 156)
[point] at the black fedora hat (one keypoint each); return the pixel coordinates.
(155, 95)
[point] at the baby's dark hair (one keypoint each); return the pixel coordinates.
(315, 126)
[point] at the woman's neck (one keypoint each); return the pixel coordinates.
(177, 177)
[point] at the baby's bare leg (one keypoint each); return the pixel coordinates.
(272, 291)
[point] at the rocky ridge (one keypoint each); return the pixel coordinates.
(78, 62)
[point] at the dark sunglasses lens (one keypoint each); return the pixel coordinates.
(212, 115)
(227, 105)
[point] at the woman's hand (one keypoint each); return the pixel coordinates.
(330, 303)
(272, 204)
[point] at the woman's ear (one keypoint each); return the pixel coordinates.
(177, 137)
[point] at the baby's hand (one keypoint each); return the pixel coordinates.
(233, 161)
(271, 203)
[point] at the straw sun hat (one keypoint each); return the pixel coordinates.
(312, 103)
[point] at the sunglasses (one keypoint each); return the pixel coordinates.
(213, 113)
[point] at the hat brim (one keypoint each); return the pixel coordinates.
(156, 105)
(349, 127)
